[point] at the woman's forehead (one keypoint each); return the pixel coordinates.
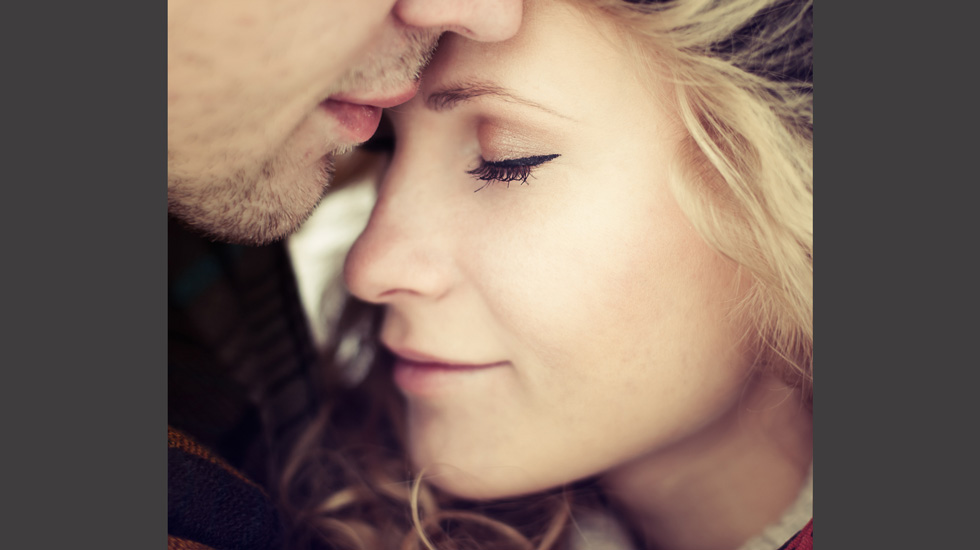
(559, 61)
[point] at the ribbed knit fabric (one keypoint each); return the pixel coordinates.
(212, 505)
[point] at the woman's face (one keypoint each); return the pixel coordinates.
(557, 328)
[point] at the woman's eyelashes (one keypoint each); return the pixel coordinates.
(508, 170)
(384, 141)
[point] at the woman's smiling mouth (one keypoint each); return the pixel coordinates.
(421, 375)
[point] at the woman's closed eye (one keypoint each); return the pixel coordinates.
(507, 170)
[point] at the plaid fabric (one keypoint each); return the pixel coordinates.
(239, 349)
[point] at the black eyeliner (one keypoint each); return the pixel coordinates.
(526, 161)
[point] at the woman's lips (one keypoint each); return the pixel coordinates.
(427, 378)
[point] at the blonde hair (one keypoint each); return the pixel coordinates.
(741, 72)
(741, 75)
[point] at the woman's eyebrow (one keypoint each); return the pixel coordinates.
(449, 97)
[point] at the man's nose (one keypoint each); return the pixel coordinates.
(480, 20)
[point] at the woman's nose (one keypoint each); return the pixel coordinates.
(405, 250)
(481, 20)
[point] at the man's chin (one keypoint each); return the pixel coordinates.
(245, 230)
(255, 213)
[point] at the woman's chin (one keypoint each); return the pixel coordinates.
(478, 482)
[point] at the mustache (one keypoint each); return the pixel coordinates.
(391, 68)
(423, 47)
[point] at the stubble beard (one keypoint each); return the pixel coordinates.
(264, 202)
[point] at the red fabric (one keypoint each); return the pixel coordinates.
(802, 541)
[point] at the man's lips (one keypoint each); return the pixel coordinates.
(379, 101)
(360, 121)
(361, 114)
(374, 100)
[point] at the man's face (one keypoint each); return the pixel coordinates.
(261, 94)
